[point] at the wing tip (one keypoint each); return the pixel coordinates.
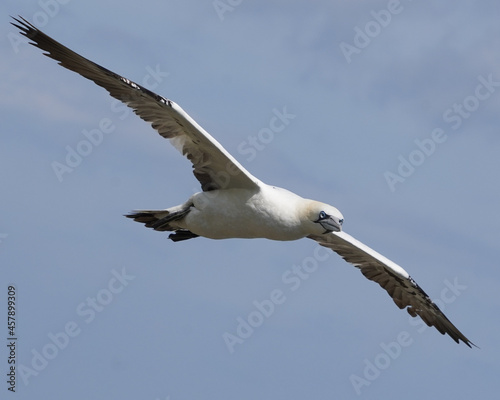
(465, 340)
(26, 27)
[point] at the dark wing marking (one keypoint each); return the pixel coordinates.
(395, 280)
(213, 166)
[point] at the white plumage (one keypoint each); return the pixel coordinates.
(234, 203)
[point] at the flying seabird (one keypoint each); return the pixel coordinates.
(234, 203)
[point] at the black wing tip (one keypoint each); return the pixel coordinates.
(446, 327)
(467, 342)
(452, 331)
(26, 27)
(28, 30)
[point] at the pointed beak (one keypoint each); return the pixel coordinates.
(331, 224)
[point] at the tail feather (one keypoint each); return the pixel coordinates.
(160, 220)
(150, 219)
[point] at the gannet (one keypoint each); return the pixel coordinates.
(235, 204)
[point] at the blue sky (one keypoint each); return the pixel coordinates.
(395, 122)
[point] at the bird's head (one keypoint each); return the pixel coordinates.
(323, 218)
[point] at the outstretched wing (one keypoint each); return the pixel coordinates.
(213, 166)
(395, 280)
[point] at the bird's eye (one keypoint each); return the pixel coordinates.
(322, 215)
(341, 221)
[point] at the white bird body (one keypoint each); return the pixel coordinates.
(269, 212)
(235, 204)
